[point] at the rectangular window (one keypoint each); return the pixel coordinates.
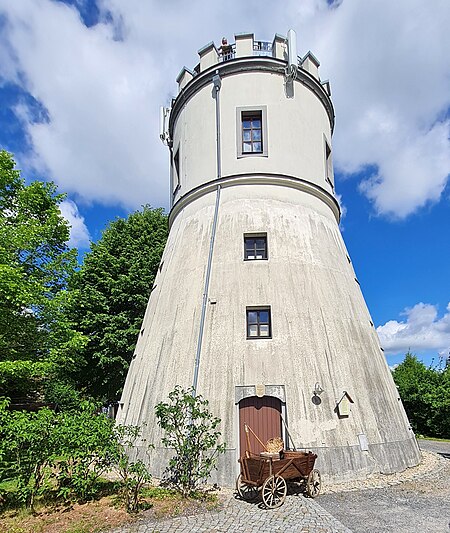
(255, 247)
(258, 323)
(251, 126)
(328, 165)
(252, 140)
(176, 171)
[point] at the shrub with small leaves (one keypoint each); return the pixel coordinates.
(133, 474)
(65, 454)
(27, 448)
(192, 431)
(86, 447)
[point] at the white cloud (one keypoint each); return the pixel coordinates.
(390, 75)
(79, 234)
(388, 63)
(422, 331)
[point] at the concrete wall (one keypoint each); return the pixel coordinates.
(296, 129)
(321, 328)
(321, 331)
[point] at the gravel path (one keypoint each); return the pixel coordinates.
(419, 504)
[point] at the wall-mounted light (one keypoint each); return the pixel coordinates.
(317, 389)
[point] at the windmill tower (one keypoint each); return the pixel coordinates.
(256, 303)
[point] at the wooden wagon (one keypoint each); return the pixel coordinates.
(270, 474)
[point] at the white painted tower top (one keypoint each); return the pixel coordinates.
(257, 78)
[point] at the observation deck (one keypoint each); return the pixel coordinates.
(245, 45)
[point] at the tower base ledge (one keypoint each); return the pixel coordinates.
(335, 464)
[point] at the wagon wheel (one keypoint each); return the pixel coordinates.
(274, 491)
(249, 493)
(313, 484)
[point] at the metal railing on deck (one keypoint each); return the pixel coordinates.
(227, 52)
(260, 48)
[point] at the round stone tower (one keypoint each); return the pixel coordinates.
(256, 304)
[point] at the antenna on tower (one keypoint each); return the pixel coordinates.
(292, 55)
(164, 114)
(292, 66)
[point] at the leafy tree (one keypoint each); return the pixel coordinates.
(110, 294)
(36, 340)
(192, 431)
(425, 392)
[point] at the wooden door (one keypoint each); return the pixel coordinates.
(263, 416)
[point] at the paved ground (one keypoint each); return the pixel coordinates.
(415, 502)
(420, 505)
(442, 448)
(297, 515)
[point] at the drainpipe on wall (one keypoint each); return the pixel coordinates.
(217, 83)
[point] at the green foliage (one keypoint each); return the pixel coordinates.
(62, 395)
(192, 431)
(85, 450)
(20, 376)
(134, 474)
(110, 294)
(425, 392)
(27, 446)
(36, 339)
(65, 454)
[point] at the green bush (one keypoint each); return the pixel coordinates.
(133, 474)
(192, 431)
(85, 450)
(66, 454)
(27, 448)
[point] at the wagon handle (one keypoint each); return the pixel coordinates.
(248, 451)
(287, 431)
(247, 429)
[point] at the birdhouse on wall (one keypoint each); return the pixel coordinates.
(343, 405)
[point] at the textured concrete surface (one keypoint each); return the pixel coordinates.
(298, 514)
(420, 505)
(321, 329)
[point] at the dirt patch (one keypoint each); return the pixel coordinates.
(90, 517)
(102, 515)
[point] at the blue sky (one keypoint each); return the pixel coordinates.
(81, 83)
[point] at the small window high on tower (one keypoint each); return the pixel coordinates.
(258, 323)
(252, 140)
(255, 247)
(251, 131)
(176, 171)
(328, 164)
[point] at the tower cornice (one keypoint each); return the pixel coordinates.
(249, 64)
(256, 179)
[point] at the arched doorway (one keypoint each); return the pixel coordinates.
(263, 415)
